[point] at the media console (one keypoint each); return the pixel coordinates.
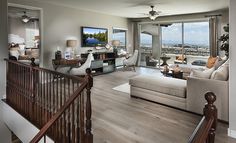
(104, 62)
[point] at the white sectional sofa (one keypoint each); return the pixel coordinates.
(183, 94)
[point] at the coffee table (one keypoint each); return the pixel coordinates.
(173, 74)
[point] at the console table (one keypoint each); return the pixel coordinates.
(66, 63)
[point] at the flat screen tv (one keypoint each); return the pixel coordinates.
(92, 37)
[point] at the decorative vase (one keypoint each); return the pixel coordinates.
(58, 55)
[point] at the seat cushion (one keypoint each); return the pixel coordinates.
(166, 85)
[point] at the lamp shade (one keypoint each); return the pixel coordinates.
(71, 43)
(115, 42)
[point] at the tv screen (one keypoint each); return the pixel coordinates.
(92, 37)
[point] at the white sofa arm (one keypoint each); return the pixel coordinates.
(196, 89)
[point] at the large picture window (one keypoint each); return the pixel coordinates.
(196, 38)
(172, 39)
(190, 39)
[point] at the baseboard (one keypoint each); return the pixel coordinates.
(231, 133)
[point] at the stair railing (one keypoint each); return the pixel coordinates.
(205, 131)
(57, 103)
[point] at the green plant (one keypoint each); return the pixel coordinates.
(225, 40)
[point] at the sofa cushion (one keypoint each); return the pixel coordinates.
(166, 85)
(222, 73)
(202, 74)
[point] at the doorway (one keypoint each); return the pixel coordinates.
(24, 36)
(149, 45)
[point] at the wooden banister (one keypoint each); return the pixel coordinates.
(205, 131)
(52, 101)
(43, 131)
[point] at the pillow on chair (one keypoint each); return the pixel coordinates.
(15, 53)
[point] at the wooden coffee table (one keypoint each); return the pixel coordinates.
(173, 74)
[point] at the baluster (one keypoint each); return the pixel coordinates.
(89, 135)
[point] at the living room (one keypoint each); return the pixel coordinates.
(62, 21)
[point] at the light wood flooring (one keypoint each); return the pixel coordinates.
(117, 118)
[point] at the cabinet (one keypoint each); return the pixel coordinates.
(104, 62)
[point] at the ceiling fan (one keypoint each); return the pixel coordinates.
(153, 14)
(26, 18)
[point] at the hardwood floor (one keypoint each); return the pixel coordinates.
(117, 118)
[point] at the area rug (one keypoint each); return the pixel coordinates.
(123, 88)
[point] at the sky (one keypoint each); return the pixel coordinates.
(194, 33)
(93, 30)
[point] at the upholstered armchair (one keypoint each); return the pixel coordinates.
(151, 62)
(82, 69)
(131, 61)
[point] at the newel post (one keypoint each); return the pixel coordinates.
(210, 111)
(88, 132)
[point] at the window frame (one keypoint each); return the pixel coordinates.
(126, 35)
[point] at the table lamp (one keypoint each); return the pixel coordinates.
(71, 44)
(115, 43)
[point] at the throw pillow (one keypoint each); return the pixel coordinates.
(181, 57)
(202, 74)
(221, 73)
(211, 61)
(218, 63)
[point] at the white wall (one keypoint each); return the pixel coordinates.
(5, 134)
(232, 71)
(62, 23)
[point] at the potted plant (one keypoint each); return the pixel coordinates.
(225, 40)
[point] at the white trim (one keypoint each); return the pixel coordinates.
(22, 128)
(231, 133)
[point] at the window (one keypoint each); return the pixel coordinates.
(186, 38)
(120, 34)
(146, 41)
(196, 38)
(172, 39)
(30, 37)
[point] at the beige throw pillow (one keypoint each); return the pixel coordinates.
(202, 74)
(222, 73)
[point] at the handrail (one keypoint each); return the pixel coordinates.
(43, 131)
(44, 69)
(205, 131)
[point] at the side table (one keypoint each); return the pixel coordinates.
(164, 59)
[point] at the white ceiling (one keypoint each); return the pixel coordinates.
(136, 8)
